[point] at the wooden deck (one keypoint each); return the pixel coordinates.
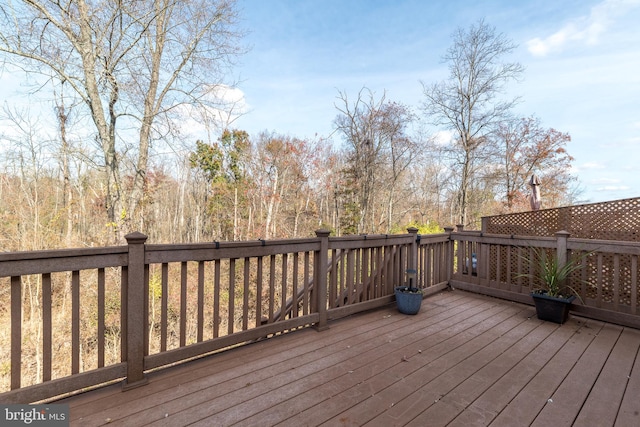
(464, 360)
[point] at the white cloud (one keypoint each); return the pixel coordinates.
(584, 30)
(227, 104)
(228, 94)
(613, 188)
(606, 181)
(444, 137)
(592, 165)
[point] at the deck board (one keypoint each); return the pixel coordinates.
(629, 413)
(464, 360)
(611, 383)
(492, 401)
(567, 401)
(475, 376)
(396, 362)
(433, 380)
(526, 405)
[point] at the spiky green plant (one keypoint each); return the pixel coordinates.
(551, 278)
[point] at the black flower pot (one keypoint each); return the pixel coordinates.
(553, 309)
(408, 299)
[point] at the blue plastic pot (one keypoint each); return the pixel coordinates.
(408, 302)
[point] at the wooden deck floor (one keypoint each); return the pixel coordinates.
(464, 360)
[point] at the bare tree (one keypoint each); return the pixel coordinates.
(358, 122)
(133, 64)
(467, 102)
(526, 147)
(378, 152)
(401, 151)
(430, 183)
(27, 150)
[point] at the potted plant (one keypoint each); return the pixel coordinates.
(551, 294)
(409, 297)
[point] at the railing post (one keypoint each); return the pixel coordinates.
(450, 253)
(412, 262)
(413, 256)
(561, 248)
(320, 273)
(136, 321)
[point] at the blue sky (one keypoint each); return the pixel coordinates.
(581, 59)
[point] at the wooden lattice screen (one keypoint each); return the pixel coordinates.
(615, 220)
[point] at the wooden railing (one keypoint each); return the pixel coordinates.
(80, 318)
(607, 280)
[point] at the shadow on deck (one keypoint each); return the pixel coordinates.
(464, 360)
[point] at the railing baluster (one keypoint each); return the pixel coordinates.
(283, 286)
(259, 277)
(294, 304)
(440, 254)
(359, 277)
(435, 253)
(519, 269)
(164, 306)
(583, 278)
(385, 270)
(634, 284)
(47, 327)
(333, 279)
(16, 331)
(183, 303)
(232, 296)
(508, 272)
(272, 286)
(245, 294)
(600, 282)
(200, 324)
(305, 303)
(101, 316)
(216, 300)
(342, 271)
(499, 266)
(75, 322)
(366, 275)
(423, 264)
(380, 268)
(347, 297)
(124, 322)
(616, 281)
(145, 308)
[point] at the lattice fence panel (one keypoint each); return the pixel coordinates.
(598, 281)
(615, 220)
